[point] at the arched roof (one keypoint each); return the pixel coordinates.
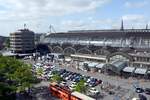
(119, 53)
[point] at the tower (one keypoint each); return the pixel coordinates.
(25, 25)
(146, 26)
(122, 26)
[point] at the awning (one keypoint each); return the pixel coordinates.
(68, 59)
(100, 65)
(140, 71)
(148, 72)
(129, 69)
(93, 64)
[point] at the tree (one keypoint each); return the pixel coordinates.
(15, 76)
(81, 87)
(40, 71)
(7, 43)
(56, 78)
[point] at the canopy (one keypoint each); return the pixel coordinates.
(129, 69)
(140, 71)
(100, 65)
(92, 64)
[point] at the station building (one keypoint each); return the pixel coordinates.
(128, 47)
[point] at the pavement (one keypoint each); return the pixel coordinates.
(122, 87)
(125, 93)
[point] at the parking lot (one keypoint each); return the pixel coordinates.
(111, 88)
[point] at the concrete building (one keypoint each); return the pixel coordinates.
(22, 41)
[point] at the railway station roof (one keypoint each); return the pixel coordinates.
(141, 71)
(129, 69)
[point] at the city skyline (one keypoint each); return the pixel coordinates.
(67, 15)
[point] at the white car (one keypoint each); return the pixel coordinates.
(72, 86)
(88, 80)
(93, 90)
(50, 75)
(63, 83)
(73, 83)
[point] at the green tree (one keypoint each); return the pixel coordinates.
(81, 87)
(15, 76)
(7, 43)
(56, 78)
(40, 71)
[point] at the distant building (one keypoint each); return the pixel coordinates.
(37, 37)
(2, 41)
(22, 41)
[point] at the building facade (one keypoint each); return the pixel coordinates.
(129, 43)
(22, 41)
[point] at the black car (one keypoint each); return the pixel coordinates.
(139, 90)
(147, 91)
(142, 97)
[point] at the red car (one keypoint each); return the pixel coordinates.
(98, 82)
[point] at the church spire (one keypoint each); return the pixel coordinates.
(122, 25)
(146, 26)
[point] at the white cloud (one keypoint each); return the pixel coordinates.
(23, 9)
(130, 21)
(88, 23)
(135, 20)
(133, 17)
(136, 4)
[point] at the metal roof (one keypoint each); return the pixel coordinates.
(100, 65)
(141, 71)
(82, 96)
(92, 64)
(129, 69)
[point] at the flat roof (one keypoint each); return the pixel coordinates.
(140, 71)
(148, 72)
(8, 53)
(82, 96)
(89, 57)
(93, 64)
(101, 65)
(129, 69)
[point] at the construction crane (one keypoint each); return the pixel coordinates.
(51, 29)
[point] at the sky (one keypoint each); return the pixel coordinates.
(66, 15)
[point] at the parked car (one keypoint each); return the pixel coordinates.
(72, 86)
(98, 82)
(147, 91)
(63, 83)
(139, 90)
(93, 91)
(142, 97)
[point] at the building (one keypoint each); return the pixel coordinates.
(129, 45)
(22, 41)
(3, 42)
